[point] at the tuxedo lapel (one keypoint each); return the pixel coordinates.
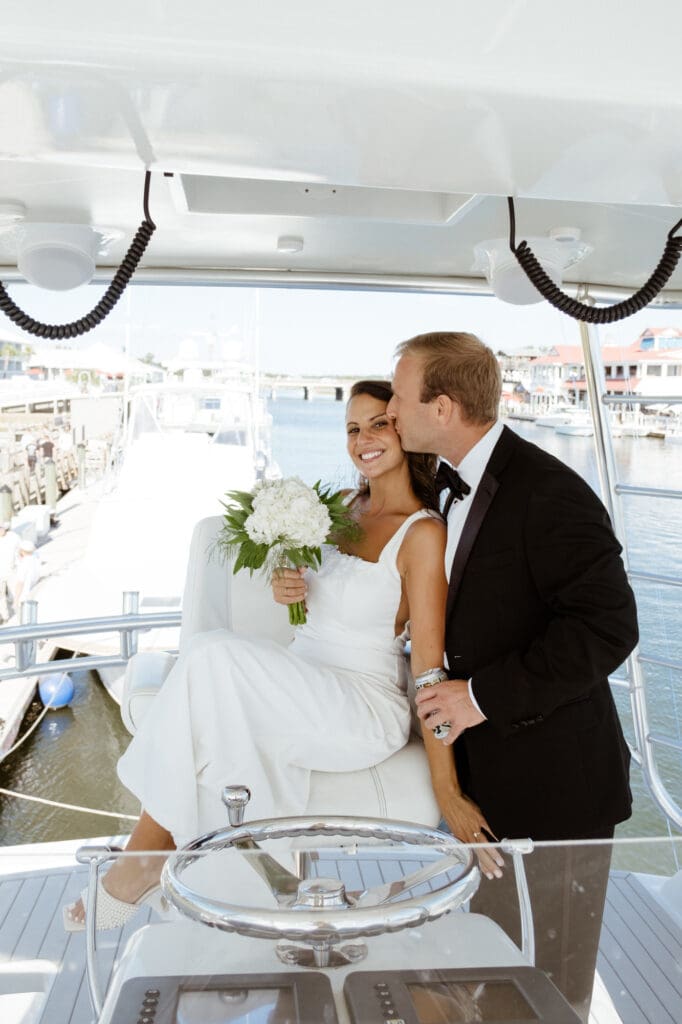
(479, 506)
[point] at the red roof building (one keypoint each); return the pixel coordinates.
(652, 364)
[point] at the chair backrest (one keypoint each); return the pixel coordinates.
(216, 598)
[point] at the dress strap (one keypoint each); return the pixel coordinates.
(350, 497)
(392, 547)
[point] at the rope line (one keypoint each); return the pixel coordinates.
(30, 730)
(55, 803)
(67, 807)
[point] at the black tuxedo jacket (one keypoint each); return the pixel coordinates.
(539, 613)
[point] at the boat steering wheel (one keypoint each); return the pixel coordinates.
(320, 912)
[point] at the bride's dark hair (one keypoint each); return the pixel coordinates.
(422, 467)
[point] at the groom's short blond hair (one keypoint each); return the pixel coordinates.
(461, 366)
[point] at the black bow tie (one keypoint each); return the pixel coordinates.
(448, 478)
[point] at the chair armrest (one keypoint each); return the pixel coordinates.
(144, 676)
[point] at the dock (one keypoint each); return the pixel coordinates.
(64, 544)
(28, 480)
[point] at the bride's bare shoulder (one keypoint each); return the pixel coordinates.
(426, 533)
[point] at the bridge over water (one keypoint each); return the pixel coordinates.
(309, 387)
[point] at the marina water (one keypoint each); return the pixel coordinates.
(72, 755)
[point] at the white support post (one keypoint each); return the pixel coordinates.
(25, 650)
(131, 602)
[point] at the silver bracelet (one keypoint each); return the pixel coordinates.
(429, 678)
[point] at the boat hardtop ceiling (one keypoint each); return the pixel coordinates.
(374, 140)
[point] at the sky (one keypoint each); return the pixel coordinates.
(305, 331)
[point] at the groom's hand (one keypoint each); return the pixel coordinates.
(448, 701)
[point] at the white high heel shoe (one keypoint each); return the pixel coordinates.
(112, 912)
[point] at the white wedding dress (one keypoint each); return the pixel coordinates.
(238, 710)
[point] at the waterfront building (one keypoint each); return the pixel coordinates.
(14, 354)
(98, 364)
(651, 365)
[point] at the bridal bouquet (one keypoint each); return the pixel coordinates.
(282, 524)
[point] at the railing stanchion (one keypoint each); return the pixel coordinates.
(518, 848)
(25, 650)
(131, 602)
(93, 856)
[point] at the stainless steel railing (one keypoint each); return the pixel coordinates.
(128, 625)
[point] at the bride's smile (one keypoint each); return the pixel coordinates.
(372, 442)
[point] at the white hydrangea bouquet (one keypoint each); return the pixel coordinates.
(283, 524)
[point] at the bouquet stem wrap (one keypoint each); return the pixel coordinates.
(283, 524)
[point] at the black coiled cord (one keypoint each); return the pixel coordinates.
(109, 299)
(590, 314)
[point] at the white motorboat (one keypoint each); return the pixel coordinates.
(368, 147)
(579, 425)
(559, 415)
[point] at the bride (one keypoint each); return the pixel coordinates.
(235, 708)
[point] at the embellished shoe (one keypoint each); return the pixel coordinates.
(111, 912)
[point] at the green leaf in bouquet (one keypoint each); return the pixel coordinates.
(250, 556)
(242, 498)
(343, 525)
(236, 520)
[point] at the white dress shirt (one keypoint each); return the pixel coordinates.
(471, 469)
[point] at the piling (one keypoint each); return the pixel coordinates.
(81, 464)
(51, 490)
(6, 510)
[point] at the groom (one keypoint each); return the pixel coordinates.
(539, 613)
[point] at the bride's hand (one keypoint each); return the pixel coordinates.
(467, 822)
(289, 586)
